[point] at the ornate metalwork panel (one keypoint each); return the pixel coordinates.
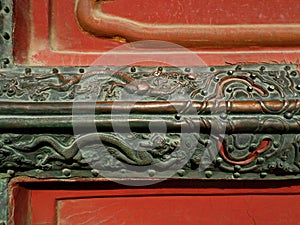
(237, 121)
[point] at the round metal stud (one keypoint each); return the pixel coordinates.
(236, 175)
(66, 172)
(260, 160)
(132, 69)
(249, 88)
(187, 69)
(95, 172)
(262, 68)
(28, 70)
(294, 73)
(230, 72)
(151, 173)
(229, 90)
(271, 88)
(6, 61)
(253, 76)
(208, 173)
(237, 167)
(238, 68)
(203, 92)
(219, 160)
(181, 172)
(54, 70)
(263, 174)
(288, 115)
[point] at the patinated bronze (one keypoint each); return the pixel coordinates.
(246, 115)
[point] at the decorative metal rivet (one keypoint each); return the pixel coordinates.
(223, 116)
(151, 173)
(229, 90)
(187, 69)
(123, 171)
(239, 67)
(287, 68)
(6, 61)
(275, 144)
(294, 73)
(54, 70)
(177, 116)
(236, 175)
(219, 160)
(298, 87)
(288, 115)
(208, 173)
(203, 92)
(252, 147)
(263, 174)
(132, 69)
(262, 68)
(66, 172)
(181, 172)
(237, 167)
(230, 72)
(6, 9)
(253, 76)
(160, 68)
(107, 68)
(6, 36)
(28, 70)
(212, 69)
(81, 70)
(271, 88)
(260, 160)
(216, 79)
(249, 88)
(95, 172)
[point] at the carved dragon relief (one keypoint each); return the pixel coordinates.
(238, 154)
(237, 84)
(273, 91)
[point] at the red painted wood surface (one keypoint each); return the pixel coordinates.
(50, 35)
(169, 202)
(230, 28)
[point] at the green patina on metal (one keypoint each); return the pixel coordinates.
(3, 201)
(226, 122)
(244, 119)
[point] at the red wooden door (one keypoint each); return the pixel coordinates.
(169, 202)
(57, 33)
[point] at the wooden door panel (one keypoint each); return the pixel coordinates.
(218, 24)
(211, 210)
(62, 33)
(252, 51)
(169, 202)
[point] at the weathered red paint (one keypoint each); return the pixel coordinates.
(50, 35)
(264, 145)
(171, 202)
(230, 33)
